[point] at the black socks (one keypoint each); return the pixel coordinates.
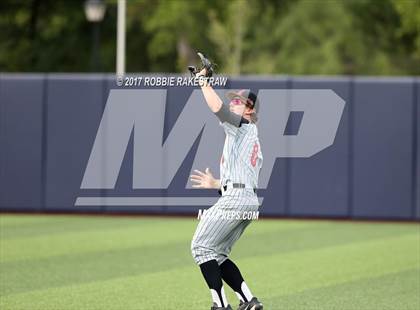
(229, 272)
(212, 275)
(232, 276)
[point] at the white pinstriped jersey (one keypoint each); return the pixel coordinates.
(242, 158)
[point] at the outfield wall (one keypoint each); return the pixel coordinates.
(48, 124)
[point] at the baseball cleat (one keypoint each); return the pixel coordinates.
(253, 304)
(215, 307)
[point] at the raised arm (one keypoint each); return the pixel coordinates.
(212, 98)
(216, 104)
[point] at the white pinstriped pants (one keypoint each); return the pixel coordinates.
(215, 235)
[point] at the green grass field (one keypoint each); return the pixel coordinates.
(76, 262)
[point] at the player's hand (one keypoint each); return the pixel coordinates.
(202, 77)
(207, 67)
(203, 72)
(204, 179)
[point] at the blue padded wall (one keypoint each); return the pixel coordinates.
(21, 116)
(48, 124)
(124, 185)
(74, 110)
(383, 148)
(319, 184)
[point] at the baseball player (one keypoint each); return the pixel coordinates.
(239, 169)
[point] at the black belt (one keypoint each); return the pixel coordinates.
(237, 185)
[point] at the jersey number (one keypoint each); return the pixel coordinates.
(254, 154)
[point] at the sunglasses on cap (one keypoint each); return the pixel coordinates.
(238, 101)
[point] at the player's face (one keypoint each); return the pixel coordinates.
(237, 106)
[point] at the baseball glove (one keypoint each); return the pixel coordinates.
(205, 63)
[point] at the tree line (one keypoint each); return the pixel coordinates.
(338, 37)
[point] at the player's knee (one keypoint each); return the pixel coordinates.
(221, 259)
(202, 254)
(197, 251)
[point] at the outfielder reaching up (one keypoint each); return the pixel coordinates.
(239, 169)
